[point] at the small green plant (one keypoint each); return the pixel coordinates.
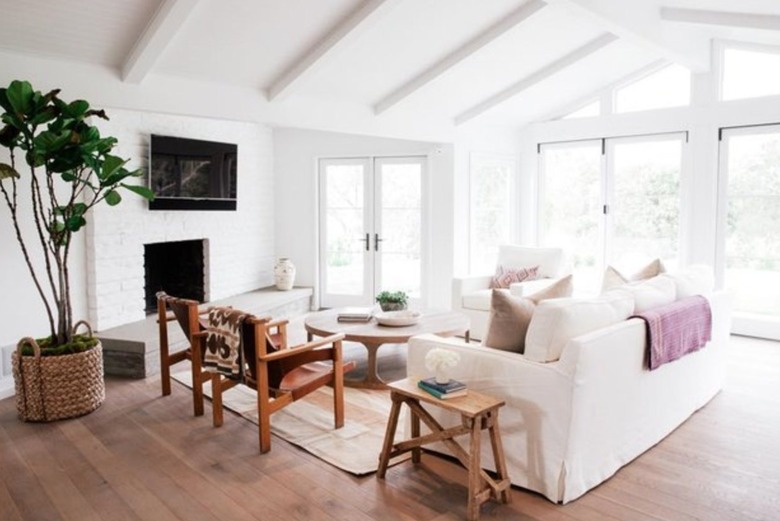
(395, 297)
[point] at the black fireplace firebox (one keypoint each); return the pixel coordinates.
(176, 268)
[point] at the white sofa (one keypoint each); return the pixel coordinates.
(570, 424)
(471, 295)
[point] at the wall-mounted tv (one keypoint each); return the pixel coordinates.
(192, 174)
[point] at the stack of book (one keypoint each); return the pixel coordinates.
(355, 315)
(451, 389)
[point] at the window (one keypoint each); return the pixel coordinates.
(613, 201)
(668, 87)
(590, 110)
(749, 238)
(749, 73)
(492, 185)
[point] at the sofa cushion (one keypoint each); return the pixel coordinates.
(549, 260)
(650, 293)
(697, 279)
(506, 276)
(613, 278)
(510, 316)
(557, 321)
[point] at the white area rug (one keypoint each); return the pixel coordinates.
(308, 423)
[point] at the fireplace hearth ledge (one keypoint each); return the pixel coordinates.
(133, 350)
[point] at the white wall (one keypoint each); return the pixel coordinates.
(296, 153)
(240, 248)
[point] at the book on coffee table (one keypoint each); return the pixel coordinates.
(355, 314)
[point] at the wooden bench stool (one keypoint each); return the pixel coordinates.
(477, 411)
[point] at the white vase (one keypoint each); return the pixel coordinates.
(284, 274)
(442, 376)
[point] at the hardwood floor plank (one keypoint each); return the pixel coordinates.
(8, 511)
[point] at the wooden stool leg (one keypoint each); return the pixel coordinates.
(415, 434)
(392, 424)
(475, 480)
(216, 400)
(498, 454)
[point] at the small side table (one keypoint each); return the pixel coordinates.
(477, 411)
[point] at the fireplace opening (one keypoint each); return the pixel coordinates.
(176, 268)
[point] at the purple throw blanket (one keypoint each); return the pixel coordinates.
(677, 329)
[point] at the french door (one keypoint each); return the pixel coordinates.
(748, 251)
(371, 228)
(611, 201)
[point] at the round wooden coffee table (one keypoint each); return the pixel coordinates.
(373, 335)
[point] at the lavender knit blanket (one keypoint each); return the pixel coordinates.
(677, 329)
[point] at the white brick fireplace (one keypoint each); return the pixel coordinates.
(239, 245)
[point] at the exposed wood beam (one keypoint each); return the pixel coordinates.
(165, 23)
(338, 37)
(460, 54)
(730, 19)
(641, 24)
(536, 77)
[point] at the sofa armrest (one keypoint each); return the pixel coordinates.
(465, 285)
(529, 287)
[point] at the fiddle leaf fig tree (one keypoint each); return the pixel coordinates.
(68, 168)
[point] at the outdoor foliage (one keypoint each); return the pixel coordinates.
(70, 169)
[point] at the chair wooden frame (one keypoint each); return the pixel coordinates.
(269, 398)
(191, 326)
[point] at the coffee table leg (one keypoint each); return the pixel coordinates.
(372, 370)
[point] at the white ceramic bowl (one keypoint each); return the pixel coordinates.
(397, 318)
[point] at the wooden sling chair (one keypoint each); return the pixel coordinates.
(281, 374)
(192, 321)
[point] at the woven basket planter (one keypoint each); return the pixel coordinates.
(50, 388)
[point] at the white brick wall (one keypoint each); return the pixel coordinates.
(239, 245)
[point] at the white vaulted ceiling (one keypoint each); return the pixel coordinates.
(364, 65)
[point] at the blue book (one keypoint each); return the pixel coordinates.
(440, 395)
(452, 385)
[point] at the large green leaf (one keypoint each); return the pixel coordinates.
(7, 172)
(8, 136)
(76, 109)
(140, 190)
(75, 223)
(113, 198)
(20, 96)
(110, 165)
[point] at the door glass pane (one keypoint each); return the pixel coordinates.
(344, 185)
(491, 209)
(645, 203)
(571, 208)
(401, 227)
(752, 230)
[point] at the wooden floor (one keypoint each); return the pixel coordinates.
(144, 457)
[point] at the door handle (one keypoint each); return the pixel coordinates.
(367, 240)
(377, 240)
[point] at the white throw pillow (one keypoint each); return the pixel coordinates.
(650, 293)
(557, 321)
(697, 279)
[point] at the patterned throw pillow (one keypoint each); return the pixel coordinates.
(506, 276)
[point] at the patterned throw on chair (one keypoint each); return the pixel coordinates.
(223, 342)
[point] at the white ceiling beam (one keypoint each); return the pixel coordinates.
(641, 24)
(536, 77)
(460, 54)
(347, 30)
(164, 25)
(729, 19)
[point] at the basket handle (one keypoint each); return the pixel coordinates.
(84, 323)
(29, 341)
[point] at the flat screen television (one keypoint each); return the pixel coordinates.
(192, 174)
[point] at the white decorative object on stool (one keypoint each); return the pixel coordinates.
(441, 362)
(284, 274)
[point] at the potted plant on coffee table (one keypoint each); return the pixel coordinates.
(61, 165)
(392, 300)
